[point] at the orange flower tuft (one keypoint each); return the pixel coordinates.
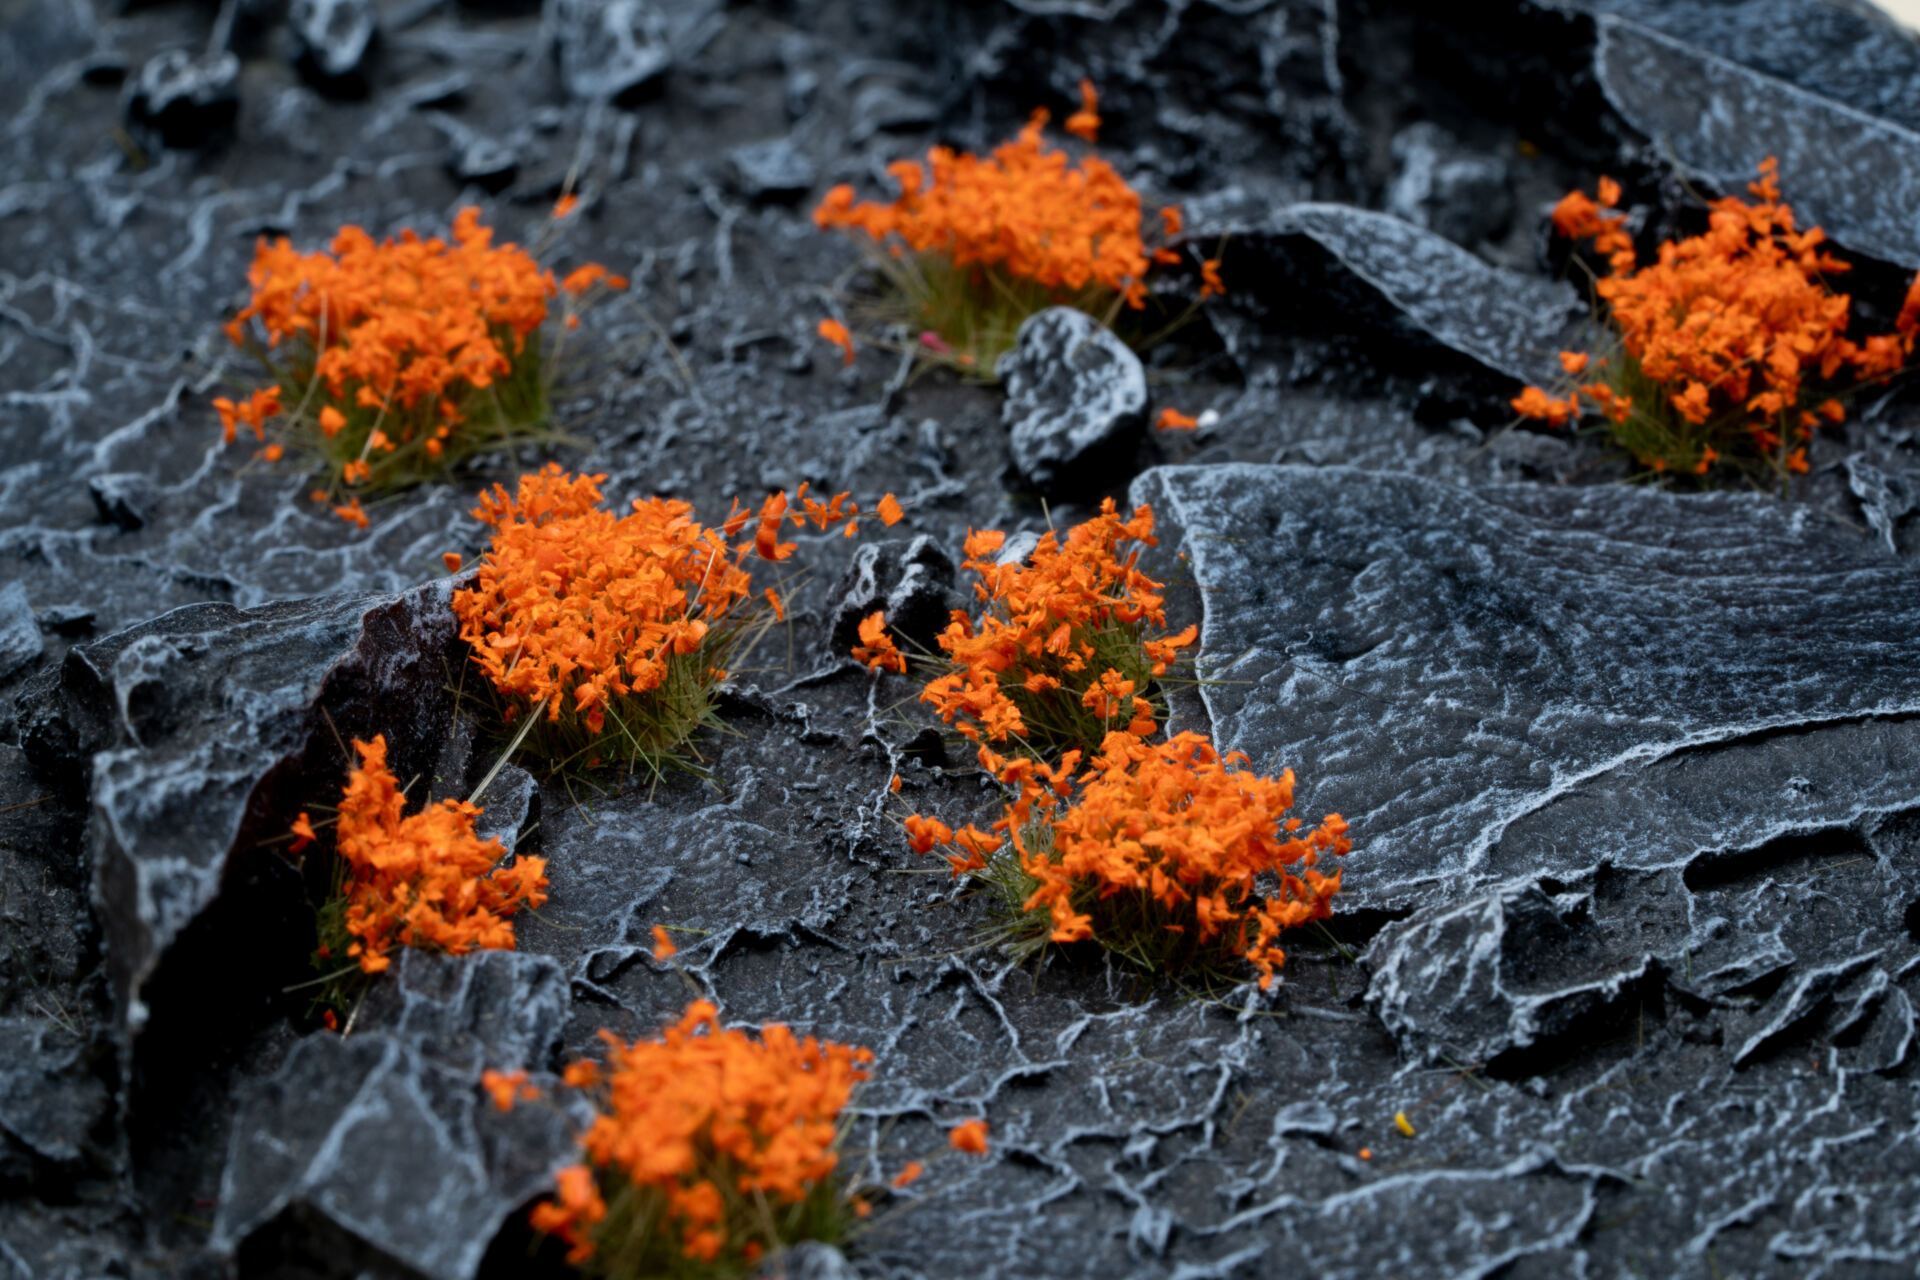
(574, 608)
(663, 948)
(1077, 612)
(698, 1133)
(1732, 328)
(1171, 419)
(399, 336)
(1170, 837)
(1028, 210)
(422, 879)
(889, 510)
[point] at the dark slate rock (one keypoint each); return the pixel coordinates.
(1853, 54)
(485, 162)
(1464, 195)
(386, 1134)
(1885, 500)
(1855, 176)
(1076, 400)
(187, 716)
(181, 99)
(776, 169)
(1507, 322)
(334, 36)
(883, 107)
(911, 582)
(20, 639)
(617, 48)
(122, 498)
(1464, 984)
(51, 1097)
(1512, 680)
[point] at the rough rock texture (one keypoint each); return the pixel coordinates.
(386, 1136)
(1631, 933)
(1848, 170)
(1076, 400)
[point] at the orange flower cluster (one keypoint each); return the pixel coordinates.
(1721, 337)
(574, 607)
(396, 340)
(586, 615)
(1060, 653)
(422, 879)
(1028, 210)
(698, 1133)
(1160, 847)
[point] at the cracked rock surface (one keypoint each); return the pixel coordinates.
(1631, 929)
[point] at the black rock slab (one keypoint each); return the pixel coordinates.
(1308, 260)
(1851, 173)
(1851, 53)
(616, 49)
(385, 1134)
(334, 37)
(179, 99)
(1515, 680)
(194, 720)
(20, 638)
(1076, 400)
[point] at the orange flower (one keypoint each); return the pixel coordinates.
(1028, 210)
(574, 608)
(1211, 285)
(1084, 124)
(1535, 403)
(663, 948)
(253, 412)
(876, 648)
(1026, 662)
(583, 278)
(969, 1136)
(507, 1087)
(565, 205)
(1171, 419)
(353, 513)
(909, 1174)
(889, 510)
(1731, 327)
(924, 833)
(1171, 832)
(411, 329)
(422, 879)
(836, 333)
(697, 1132)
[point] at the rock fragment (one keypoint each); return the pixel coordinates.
(1463, 195)
(387, 1136)
(182, 100)
(1076, 401)
(333, 38)
(20, 638)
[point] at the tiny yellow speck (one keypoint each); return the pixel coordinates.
(1402, 1123)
